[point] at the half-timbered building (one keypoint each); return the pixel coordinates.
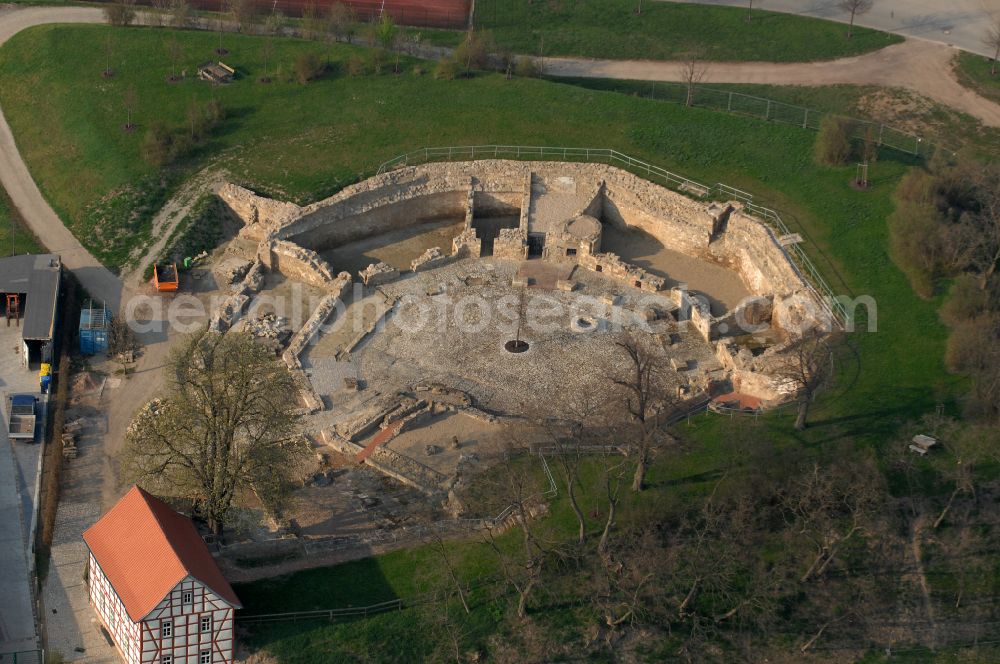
(156, 587)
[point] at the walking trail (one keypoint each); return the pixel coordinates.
(921, 66)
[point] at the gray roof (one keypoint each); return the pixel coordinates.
(36, 277)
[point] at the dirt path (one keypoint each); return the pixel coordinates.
(921, 66)
(170, 215)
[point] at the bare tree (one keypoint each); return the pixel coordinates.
(130, 100)
(855, 7)
(221, 50)
(181, 14)
(985, 221)
(831, 505)
(160, 10)
(175, 51)
(120, 14)
(992, 42)
(244, 14)
(750, 11)
(224, 429)
(646, 401)
(109, 49)
(341, 21)
(122, 342)
(521, 567)
(692, 73)
(807, 365)
(266, 51)
(612, 475)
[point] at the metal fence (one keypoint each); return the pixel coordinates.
(769, 110)
(807, 270)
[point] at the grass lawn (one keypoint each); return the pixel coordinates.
(24, 241)
(896, 107)
(307, 141)
(668, 31)
(974, 73)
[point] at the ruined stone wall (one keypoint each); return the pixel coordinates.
(330, 227)
(750, 248)
(297, 263)
(411, 195)
(259, 215)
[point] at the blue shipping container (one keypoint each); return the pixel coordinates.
(94, 331)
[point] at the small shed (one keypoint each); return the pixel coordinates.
(94, 323)
(165, 278)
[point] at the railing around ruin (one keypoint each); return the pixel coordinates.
(807, 270)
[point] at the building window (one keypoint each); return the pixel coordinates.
(167, 659)
(206, 624)
(166, 629)
(206, 657)
(571, 252)
(187, 597)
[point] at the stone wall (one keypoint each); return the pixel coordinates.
(259, 215)
(298, 264)
(721, 233)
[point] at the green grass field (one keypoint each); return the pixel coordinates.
(896, 107)
(668, 31)
(307, 141)
(24, 242)
(974, 73)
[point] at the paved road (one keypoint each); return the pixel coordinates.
(921, 66)
(960, 23)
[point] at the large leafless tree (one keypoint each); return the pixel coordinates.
(647, 401)
(808, 367)
(224, 429)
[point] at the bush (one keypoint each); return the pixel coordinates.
(966, 300)
(156, 144)
(120, 14)
(833, 144)
(474, 51)
(418, 70)
(379, 57)
(356, 66)
(308, 67)
(526, 67)
(447, 69)
(915, 245)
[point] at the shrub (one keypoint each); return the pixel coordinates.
(308, 67)
(833, 144)
(378, 59)
(418, 70)
(915, 244)
(966, 300)
(446, 69)
(156, 144)
(526, 67)
(120, 14)
(356, 66)
(474, 51)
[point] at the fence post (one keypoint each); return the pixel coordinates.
(805, 120)
(767, 113)
(729, 107)
(881, 128)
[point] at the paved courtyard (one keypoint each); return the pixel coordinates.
(19, 467)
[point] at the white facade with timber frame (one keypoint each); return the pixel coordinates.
(174, 608)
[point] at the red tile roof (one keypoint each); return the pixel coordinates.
(145, 549)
